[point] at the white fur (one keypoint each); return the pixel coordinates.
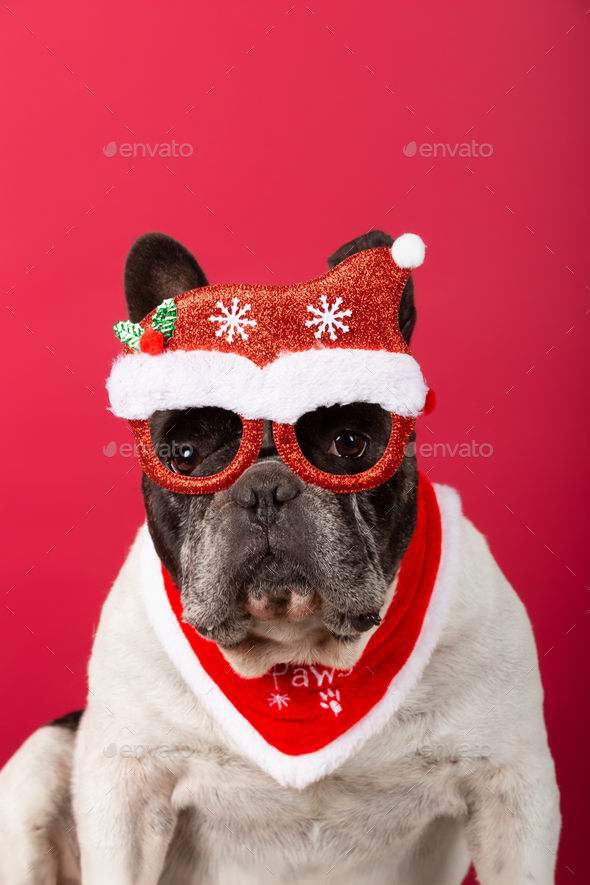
(38, 777)
(408, 251)
(300, 771)
(295, 383)
(385, 815)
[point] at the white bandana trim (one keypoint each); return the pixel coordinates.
(300, 771)
(295, 383)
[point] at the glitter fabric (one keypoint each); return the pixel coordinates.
(197, 485)
(353, 307)
(289, 450)
(262, 322)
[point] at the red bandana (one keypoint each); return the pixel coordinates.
(300, 709)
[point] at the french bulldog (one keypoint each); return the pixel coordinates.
(147, 785)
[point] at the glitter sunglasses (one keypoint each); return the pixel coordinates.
(200, 451)
(322, 362)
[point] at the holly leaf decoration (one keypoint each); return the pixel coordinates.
(165, 318)
(128, 333)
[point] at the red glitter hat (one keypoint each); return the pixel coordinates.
(277, 352)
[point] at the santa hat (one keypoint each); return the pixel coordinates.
(277, 352)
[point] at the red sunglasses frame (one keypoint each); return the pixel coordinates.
(289, 450)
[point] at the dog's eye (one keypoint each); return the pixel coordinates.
(348, 445)
(185, 460)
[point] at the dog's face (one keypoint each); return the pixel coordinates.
(274, 569)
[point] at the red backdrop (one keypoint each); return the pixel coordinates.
(297, 117)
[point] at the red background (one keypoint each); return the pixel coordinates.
(298, 116)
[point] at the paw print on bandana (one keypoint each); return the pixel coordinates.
(330, 700)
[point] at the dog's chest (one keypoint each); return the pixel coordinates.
(365, 819)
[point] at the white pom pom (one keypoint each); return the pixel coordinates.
(408, 251)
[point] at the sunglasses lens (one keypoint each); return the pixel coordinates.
(343, 440)
(196, 442)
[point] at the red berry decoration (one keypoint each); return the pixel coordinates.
(151, 342)
(430, 404)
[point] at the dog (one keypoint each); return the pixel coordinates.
(275, 577)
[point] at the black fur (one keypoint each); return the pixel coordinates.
(269, 533)
(158, 267)
(71, 721)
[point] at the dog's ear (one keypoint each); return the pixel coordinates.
(373, 240)
(158, 267)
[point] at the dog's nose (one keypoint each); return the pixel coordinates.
(264, 488)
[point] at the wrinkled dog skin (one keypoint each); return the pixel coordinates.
(285, 545)
(274, 570)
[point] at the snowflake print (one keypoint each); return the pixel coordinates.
(281, 700)
(232, 321)
(330, 700)
(328, 318)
